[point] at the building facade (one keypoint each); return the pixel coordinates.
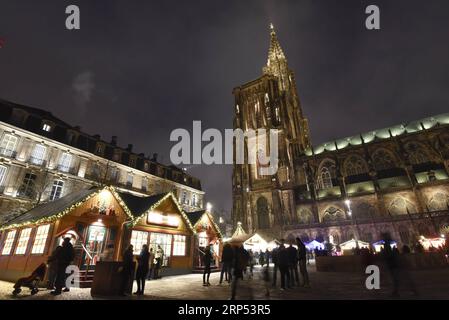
(391, 180)
(42, 158)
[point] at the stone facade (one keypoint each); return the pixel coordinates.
(389, 180)
(42, 158)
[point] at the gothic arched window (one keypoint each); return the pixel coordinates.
(416, 153)
(438, 202)
(326, 174)
(401, 206)
(355, 165)
(333, 213)
(383, 160)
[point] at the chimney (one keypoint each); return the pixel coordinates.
(130, 147)
(77, 128)
(114, 140)
(154, 158)
(97, 136)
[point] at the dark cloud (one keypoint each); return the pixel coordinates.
(144, 68)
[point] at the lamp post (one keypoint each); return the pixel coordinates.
(349, 212)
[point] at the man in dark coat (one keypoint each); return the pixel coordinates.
(240, 262)
(143, 266)
(302, 259)
(127, 269)
(293, 264)
(226, 263)
(63, 257)
(283, 266)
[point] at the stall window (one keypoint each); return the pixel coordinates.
(179, 245)
(138, 239)
(164, 241)
(23, 241)
(40, 239)
(9, 242)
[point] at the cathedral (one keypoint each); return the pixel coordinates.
(392, 180)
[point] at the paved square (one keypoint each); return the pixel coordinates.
(431, 284)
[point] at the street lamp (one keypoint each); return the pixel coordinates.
(209, 206)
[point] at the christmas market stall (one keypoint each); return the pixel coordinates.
(207, 233)
(101, 222)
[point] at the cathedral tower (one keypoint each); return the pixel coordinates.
(269, 102)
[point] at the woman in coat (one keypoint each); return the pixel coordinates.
(143, 265)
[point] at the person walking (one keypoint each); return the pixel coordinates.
(207, 260)
(226, 263)
(52, 268)
(302, 252)
(293, 265)
(64, 257)
(159, 256)
(143, 266)
(283, 266)
(152, 264)
(251, 263)
(274, 259)
(239, 264)
(127, 269)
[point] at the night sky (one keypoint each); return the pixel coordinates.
(140, 69)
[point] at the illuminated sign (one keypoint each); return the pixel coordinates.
(163, 219)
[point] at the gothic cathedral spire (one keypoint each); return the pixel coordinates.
(277, 62)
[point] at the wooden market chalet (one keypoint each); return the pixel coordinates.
(102, 222)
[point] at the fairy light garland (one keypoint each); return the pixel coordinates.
(133, 220)
(51, 218)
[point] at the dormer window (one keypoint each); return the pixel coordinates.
(99, 149)
(46, 127)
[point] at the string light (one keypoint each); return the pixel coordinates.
(133, 220)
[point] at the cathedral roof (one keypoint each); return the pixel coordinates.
(381, 134)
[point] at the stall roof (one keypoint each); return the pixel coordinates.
(195, 216)
(50, 209)
(135, 207)
(140, 205)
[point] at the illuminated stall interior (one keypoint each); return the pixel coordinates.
(256, 241)
(101, 222)
(208, 233)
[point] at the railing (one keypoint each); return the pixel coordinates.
(8, 153)
(37, 161)
(389, 219)
(67, 169)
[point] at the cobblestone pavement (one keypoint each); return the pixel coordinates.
(431, 284)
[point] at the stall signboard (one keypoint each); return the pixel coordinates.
(159, 218)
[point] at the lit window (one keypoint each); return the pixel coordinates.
(8, 145)
(65, 161)
(2, 173)
(138, 239)
(40, 239)
(277, 114)
(38, 154)
(144, 184)
(56, 190)
(129, 180)
(184, 197)
(237, 109)
(146, 166)
(194, 200)
(23, 241)
(9, 242)
(46, 127)
(27, 189)
(179, 245)
(163, 241)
